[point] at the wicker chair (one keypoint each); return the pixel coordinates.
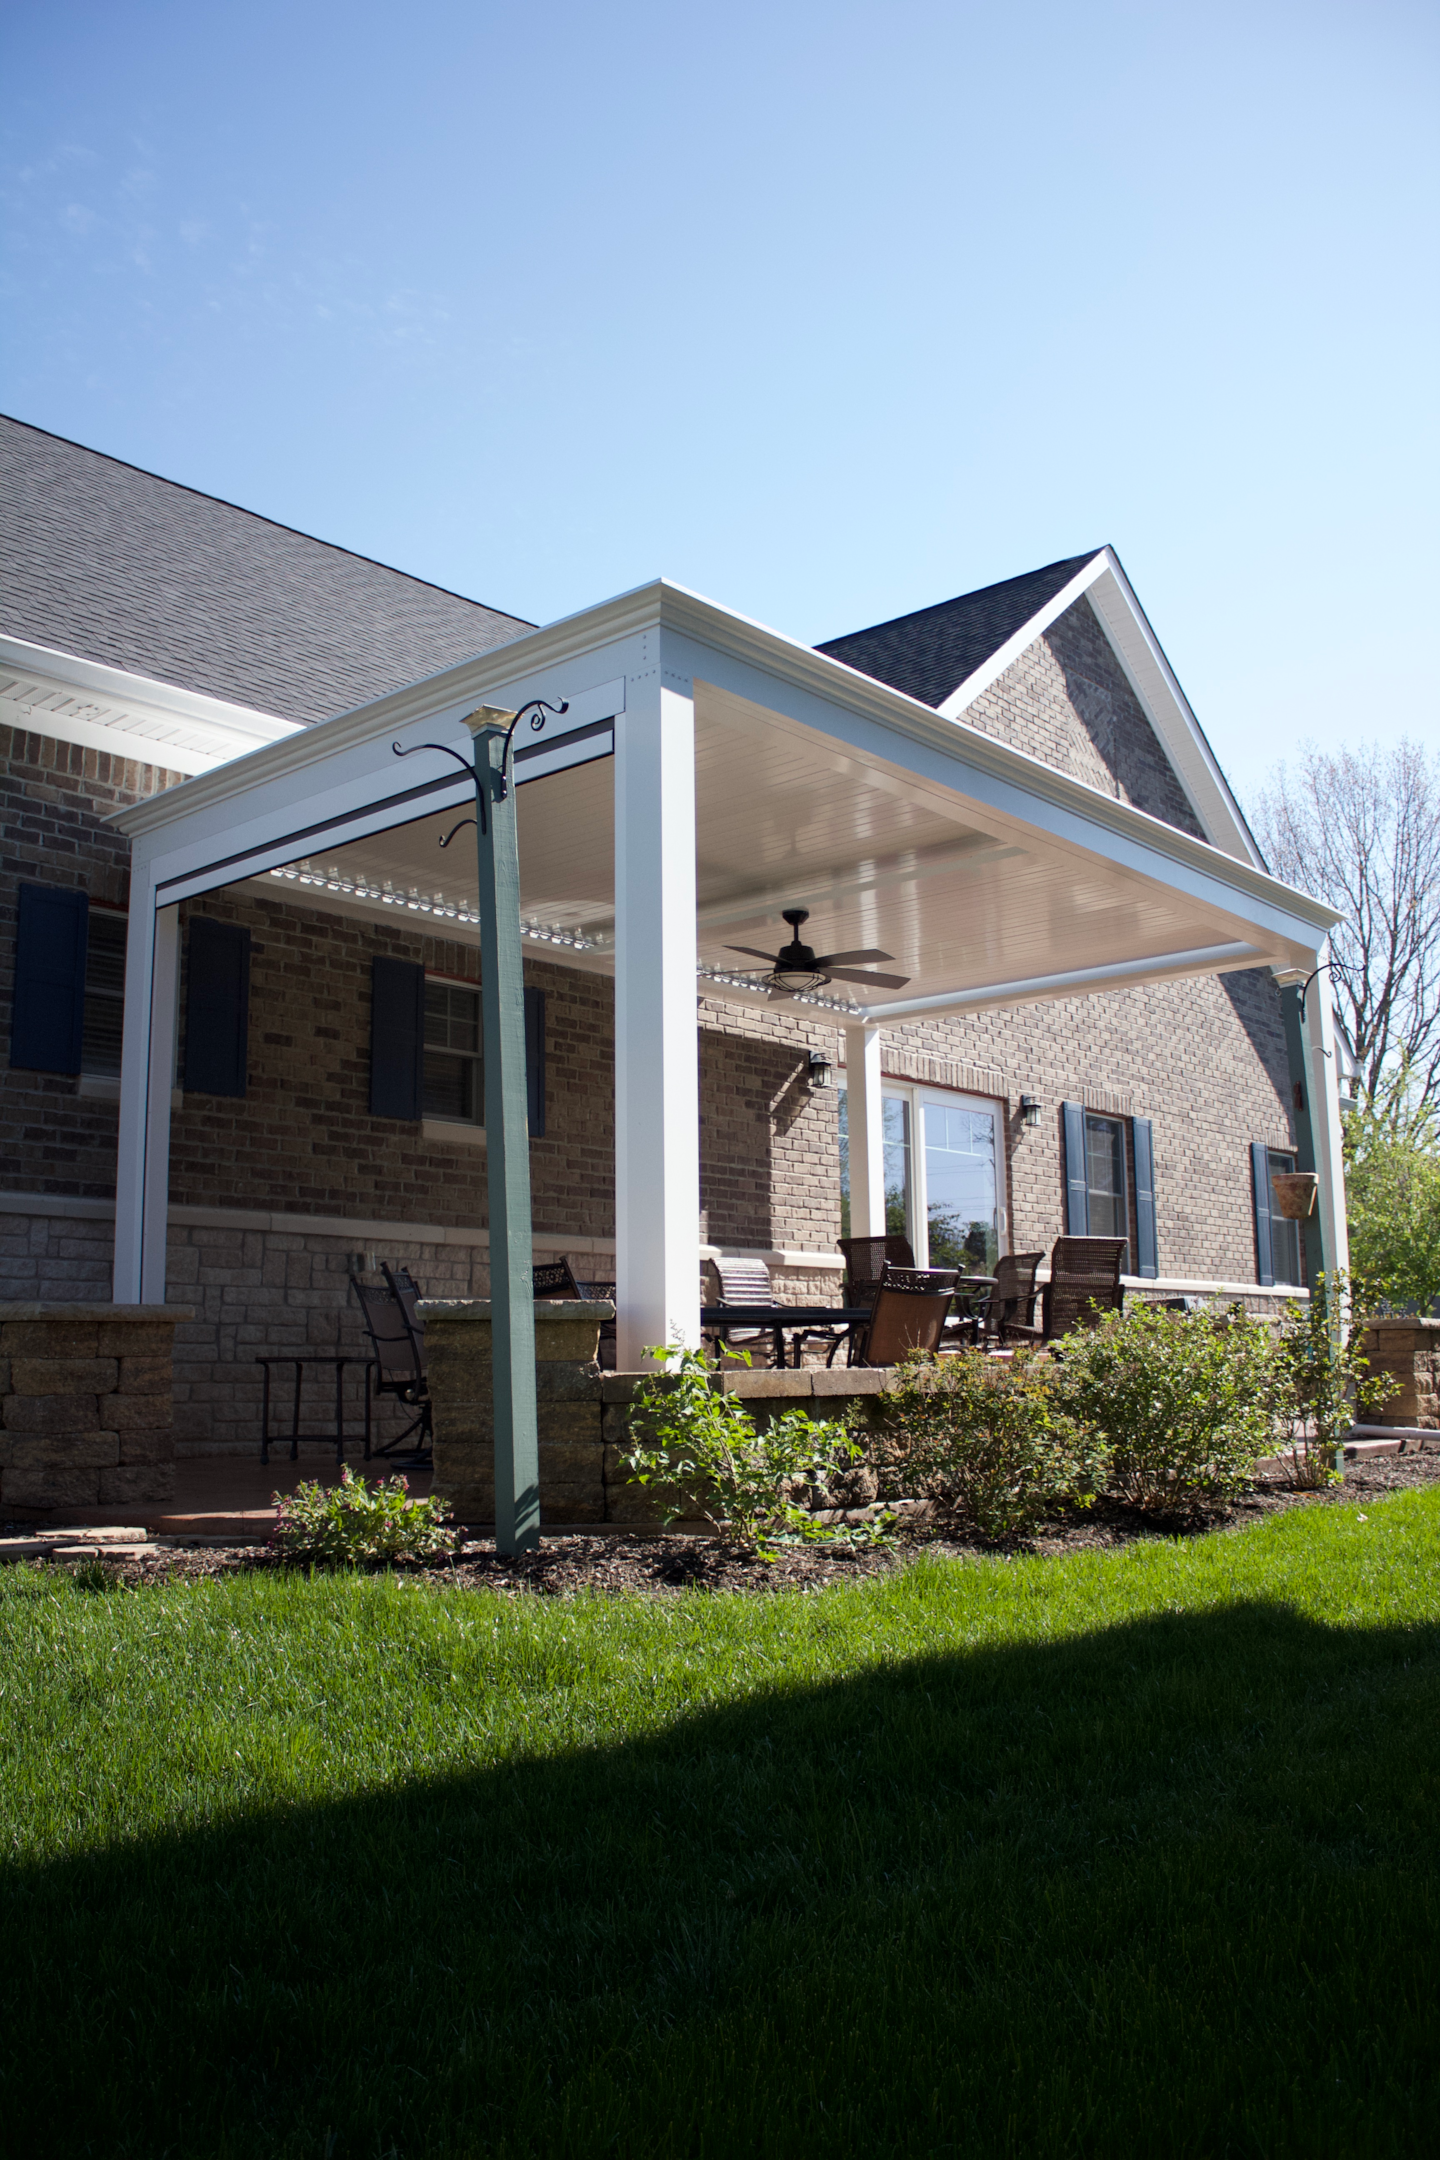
(866, 1259)
(1008, 1314)
(908, 1312)
(1084, 1283)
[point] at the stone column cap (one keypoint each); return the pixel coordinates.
(483, 1308)
(46, 1309)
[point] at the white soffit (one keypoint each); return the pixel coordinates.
(1153, 680)
(72, 700)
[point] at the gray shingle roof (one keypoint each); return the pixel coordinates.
(930, 653)
(116, 565)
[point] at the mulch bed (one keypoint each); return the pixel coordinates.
(565, 1565)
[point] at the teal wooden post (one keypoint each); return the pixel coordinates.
(1317, 1260)
(507, 1140)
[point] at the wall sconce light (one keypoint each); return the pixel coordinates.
(1029, 1109)
(822, 1072)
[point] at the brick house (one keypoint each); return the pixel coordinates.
(225, 902)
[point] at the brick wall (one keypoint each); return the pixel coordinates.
(53, 799)
(1067, 700)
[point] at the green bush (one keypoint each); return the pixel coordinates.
(748, 1483)
(1323, 1382)
(1183, 1401)
(989, 1440)
(1392, 1194)
(353, 1521)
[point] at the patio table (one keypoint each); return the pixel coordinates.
(295, 1436)
(797, 1320)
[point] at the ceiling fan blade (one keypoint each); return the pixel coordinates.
(850, 959)
(876, 982)
(768, 958)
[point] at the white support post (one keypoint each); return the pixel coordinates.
(1325, 1128)
(147, 1072)
(865, 1124)
(657, 1066)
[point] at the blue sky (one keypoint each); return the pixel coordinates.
(828, 311)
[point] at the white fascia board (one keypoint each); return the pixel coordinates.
(128, 715)
(1153, 680)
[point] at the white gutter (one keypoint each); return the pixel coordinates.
(1075, 982)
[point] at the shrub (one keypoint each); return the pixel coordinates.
(989, 1441)
(1322, 1382)
(1182, 1400)
(354, 1521)
(746, 1482)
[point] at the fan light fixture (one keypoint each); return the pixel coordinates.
(796, 969)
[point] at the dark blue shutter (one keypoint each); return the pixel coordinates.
(397, 1038)
(535, 1061)
(1077, 1184)
(217, 1007)
(1260, 1181)
(47, 1017)
(1147, 1243)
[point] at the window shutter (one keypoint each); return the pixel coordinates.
(535, 1061)
(1260, 1180)
(47, 1017)
(397, 1038)
(1077, 1190)
(1147, 1243)
(217, 1007)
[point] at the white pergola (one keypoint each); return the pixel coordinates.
(708, 773)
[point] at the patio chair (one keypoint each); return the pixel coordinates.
(553, 1279)
(1008, 1313)
(607, 1353)
(1084, 1283)
(866, 1259)
(745, 1282)
(908, 1313)
(399, 1368)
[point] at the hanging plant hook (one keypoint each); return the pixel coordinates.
(537, 708)
(456, 828)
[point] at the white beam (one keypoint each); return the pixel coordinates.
(147, 1072)
(1075, 982)
(657, 1108)
(1325, 1128)
(865, 1125)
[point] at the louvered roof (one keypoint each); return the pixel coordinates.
(111, 564)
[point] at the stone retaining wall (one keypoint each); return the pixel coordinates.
(1408, 1350)
(86, 1412)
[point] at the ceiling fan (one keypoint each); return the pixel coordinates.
(796, 969)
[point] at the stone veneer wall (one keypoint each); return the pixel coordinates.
(85, 1404)
(1408, 1350)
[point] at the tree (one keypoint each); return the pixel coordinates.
(1362, 830)
(1392, 1189)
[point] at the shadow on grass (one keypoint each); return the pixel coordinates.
(1167, 1888)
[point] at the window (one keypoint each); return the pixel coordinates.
(1286, 1260)
(454, 1085)
(1105, 1176)
(104, 994)
(944, 1177)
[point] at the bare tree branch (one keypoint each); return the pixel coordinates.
(1362, 830)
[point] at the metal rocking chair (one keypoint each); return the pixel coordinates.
(399, 1369)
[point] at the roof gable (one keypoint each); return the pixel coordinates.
(117, 566)
(929, 654)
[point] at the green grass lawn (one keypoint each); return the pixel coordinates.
(1126, 1853)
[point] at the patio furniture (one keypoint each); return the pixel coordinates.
(799, 1321)
(399, 1364)
(865, 1262)
(1084, 1284)
(295, 1436)
(909, 1312)
(1008, 1313)
(552, 1279)
(747, 1282)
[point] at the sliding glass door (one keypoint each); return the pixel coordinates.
(944, 1176)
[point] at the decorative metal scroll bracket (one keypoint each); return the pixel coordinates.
(536, 707)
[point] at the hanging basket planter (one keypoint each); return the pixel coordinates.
(1295, 1193)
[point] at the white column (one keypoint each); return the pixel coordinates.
(147, 1069)
(1325, 1130)
(657, 1069)
(865, 1123)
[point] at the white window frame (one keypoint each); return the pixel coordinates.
(915, 1095)
(434, 1123)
